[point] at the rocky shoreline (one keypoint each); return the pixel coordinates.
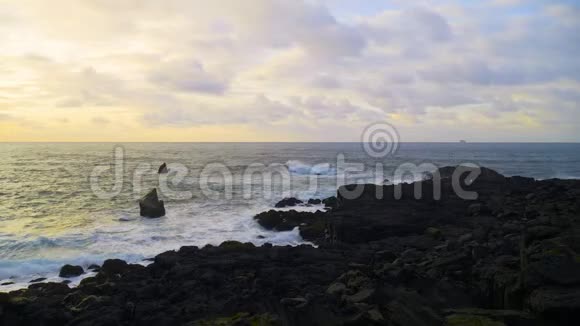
(509, 257)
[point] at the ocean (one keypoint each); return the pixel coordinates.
(77, 202)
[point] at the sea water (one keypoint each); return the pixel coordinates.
(50, 214)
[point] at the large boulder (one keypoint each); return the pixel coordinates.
(163, 168)
(285, 220)
(288, 202)
(274, 220)
(114, 266)
(70, 271)
(311, 225)
(151, 206)
(314, 201)
(330, 202)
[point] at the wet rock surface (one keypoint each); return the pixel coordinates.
(67, 271)
(150, 205)
(509, 257)
(311, 225)
(288, 202)
(163, 169)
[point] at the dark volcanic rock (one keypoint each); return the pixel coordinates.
(330, 202)
(288, 202)
(201, 284)
(151, 206)
(94, 268)
(554, 269)
(509, 257)
(481, 174)
(163, 169)
(311, 225)
(114, 266)
(559, 302)
(283, 220)
(275, 220)
(67, 271)
(459, 317)
(313, 201)
(410, 309)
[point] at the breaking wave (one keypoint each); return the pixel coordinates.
(300, 168)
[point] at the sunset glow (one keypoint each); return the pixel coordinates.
(272, 70)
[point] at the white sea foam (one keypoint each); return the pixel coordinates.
(300, 168)
(127, 236)
(38, 268)
(561, 176)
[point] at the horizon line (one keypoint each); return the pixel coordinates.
(283, 142)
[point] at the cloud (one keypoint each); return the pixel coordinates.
(564, 13)
(407, 26)
(100, 121)
(256, 111)
(88, 87)
(288, 67)
(4, 117)
(188, 76)
(279, 23)
(324, 107)
(325, 81)
(506, 3)
(474, 72)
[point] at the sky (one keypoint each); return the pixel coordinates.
(289, 70)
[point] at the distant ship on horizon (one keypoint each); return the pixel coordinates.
(463, 141)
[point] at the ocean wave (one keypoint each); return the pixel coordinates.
(20, 270)
(300, 168)
(191, 224)
(287, 238)
(17, 274)
(561, 176)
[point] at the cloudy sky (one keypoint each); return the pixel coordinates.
(288, 70)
